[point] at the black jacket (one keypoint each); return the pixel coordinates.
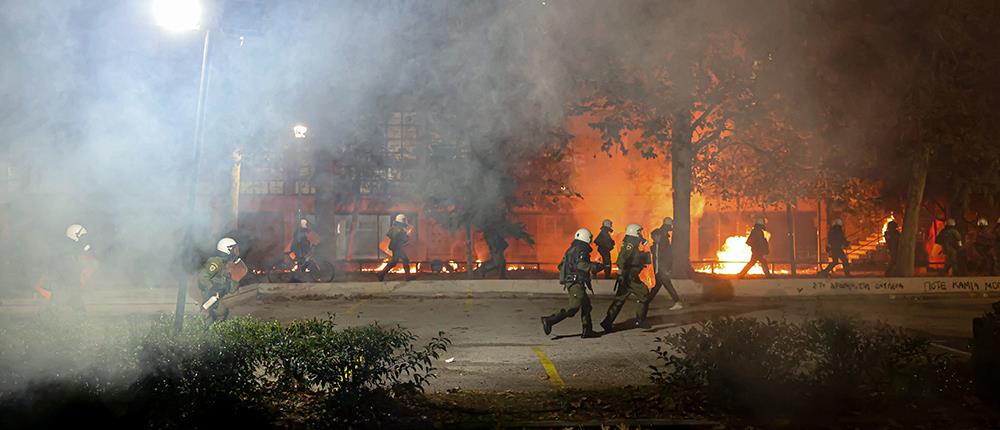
(300, 243)
(604, 241)
(397, 236)
(758, 242)
(836, 239)
(892, 240)
(663, 253)
(495, 241)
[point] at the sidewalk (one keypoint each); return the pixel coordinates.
(704, 288)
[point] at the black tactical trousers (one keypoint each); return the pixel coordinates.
(839, 257)
(606, 260)
(496, 262)
(397, 257)
(663, 280)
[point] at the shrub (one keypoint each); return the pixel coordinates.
(819, 367)
(243, 372)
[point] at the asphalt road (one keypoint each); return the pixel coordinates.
(498, 343)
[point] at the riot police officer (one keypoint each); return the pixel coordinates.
(215, 281)
(398, 239)
(983, 244)
(575, 275)
(495, 241)
(663, 260)
(631, 261)
(759, 248)
(951, 243)
(891, 236)
(836, 243)
(67, 285)
(605, 244)
(301, 247)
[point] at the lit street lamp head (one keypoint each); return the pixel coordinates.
(300, 131)
(177, 15)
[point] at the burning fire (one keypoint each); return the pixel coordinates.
(733, 256)
(397, 269)
(885, 226)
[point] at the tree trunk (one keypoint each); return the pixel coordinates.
(790, 215)
(469, 260)
(919, 165)
(681, 172)
(354, 228)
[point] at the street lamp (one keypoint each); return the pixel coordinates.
(177, 15)
(186, 15)
(300, 131)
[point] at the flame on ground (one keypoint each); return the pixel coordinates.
(733, 256)
(885, 226)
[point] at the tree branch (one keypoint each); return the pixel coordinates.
(705, 140)
(704, 116)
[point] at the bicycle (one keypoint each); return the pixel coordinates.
(287, 270)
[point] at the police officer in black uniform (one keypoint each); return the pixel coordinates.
(497, 244)
(398, 239)
(663, 260)
(891, 237)
(605, 244)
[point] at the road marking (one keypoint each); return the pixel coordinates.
(549, 367)
(469, 304)
(352, 312)
(950, 349)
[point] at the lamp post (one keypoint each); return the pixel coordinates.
(300, 131)
(179, 16)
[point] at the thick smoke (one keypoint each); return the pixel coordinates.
(98, 107)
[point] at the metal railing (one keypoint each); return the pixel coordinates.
(446, 266)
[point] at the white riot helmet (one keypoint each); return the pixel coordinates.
(400, 218)
(633, 230)
(668, 221)
(759, 221)
(226, 245)
(75, 232)
(982, 222)
(951, 222)
(606, 223)
(838, 222)
(584, 235)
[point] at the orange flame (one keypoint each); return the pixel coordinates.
(733, 256)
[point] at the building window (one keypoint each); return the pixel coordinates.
(401, 136)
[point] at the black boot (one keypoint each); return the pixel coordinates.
(640, 320)
(588, 326)
(607, 325)
(551, 320)
(609, 320)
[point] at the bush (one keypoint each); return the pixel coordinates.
(819, 367)
(242, 372)
(986, 354)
